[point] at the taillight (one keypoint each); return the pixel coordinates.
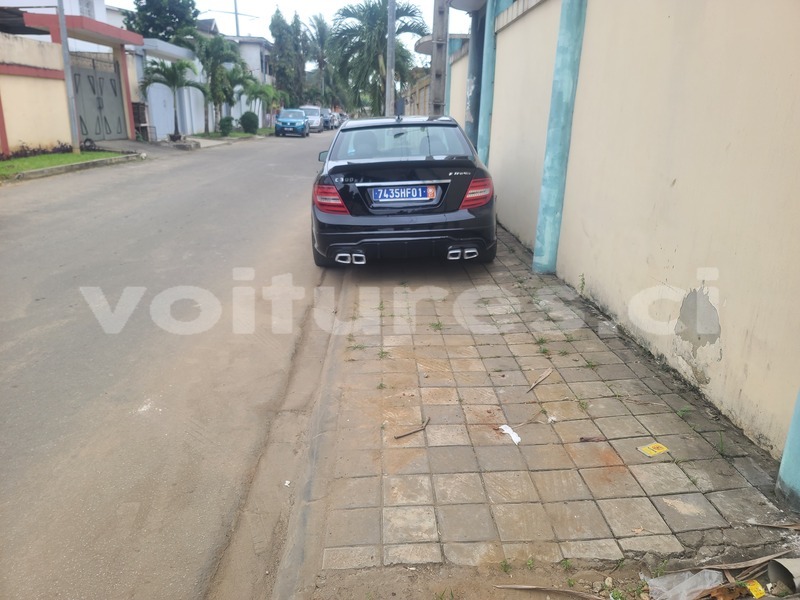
(328, 200)
(480, 191)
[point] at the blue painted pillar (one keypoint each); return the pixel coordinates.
(474, 76)
(487, 82)
(789, 475)
(559, 134)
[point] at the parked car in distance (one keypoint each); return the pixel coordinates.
(314, 117)
(410, 187)
(291, 121)
(328, 118)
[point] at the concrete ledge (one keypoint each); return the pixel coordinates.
(89, 164)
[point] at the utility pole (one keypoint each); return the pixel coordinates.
(236, 13)
(390, 42)
(73, 125)
(439, 58)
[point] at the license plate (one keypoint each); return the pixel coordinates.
(405, 193)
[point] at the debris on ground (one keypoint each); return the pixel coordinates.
(542, 377)
(417, 430)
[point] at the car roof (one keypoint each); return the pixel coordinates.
(398, 122)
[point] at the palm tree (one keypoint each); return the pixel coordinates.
(359, 42)
(262, 95)
(173, 75)
(319, 36)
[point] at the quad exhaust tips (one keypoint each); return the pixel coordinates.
(347, 258)
(459, 253)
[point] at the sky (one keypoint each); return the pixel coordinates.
(255, 15)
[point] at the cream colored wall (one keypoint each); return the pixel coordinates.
(684, 168)
(526, 51)
(34, 109)
(458, 89)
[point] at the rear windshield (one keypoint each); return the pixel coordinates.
(291, 114)
(311, 111)
(400, 142)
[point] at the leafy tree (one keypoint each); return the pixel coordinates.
(174, 76)
(289, 52)
(161, 19)
(260, 96)
(359, 43)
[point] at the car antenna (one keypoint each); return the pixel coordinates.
(399, 118)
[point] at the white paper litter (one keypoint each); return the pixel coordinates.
(511, 432)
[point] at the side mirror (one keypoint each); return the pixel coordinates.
(323, 156)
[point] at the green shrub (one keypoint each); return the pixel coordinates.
(226, 126)
(249, 122)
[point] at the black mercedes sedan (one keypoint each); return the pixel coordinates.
(405, 187)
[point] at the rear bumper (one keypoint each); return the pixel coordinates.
(431, 236)
(299, 130)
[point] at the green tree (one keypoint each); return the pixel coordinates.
(260, 96)
(289, 53)
(174, 76)
(359, 43)
(161, 19)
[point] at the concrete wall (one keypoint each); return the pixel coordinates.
(681, 210)
(34, 109)
(520, 114)
(458, 88)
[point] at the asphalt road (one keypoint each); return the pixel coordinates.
(125, 457)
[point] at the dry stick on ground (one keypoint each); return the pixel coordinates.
(533, 419)
(550, 591)
(543, 376)
(756, 562)
(794, 526)
(417, 430)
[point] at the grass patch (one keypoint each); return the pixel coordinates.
(216, 135)
(10, 168)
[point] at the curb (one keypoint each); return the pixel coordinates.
(89, 164)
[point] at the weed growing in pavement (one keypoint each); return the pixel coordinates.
(583, 284)
(541, 340)
(721, 444)
(571, 582)
(591, 364)
(530, 563)
(383, 354)
(437, 326)
(660, 569)
(357, 347)
(381, 386)
(617, 595)
(584, 405)
(443, 597)
(569, 338)
(684, 411)
(505, 566)
(380, 307)
(562, 353)
(544, 350)
(566, 564)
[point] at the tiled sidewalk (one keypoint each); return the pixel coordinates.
(576, 486)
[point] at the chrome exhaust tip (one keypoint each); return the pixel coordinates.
(359, 259)
(343, 258)
(470, 253)
(454, 254)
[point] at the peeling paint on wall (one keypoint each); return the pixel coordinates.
(697, 334)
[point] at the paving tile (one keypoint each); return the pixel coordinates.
(353, 527)
(573, 431)
(566, 410)
(591, 550)
(402, 461)
(504, 363)
(577, 374)
(514, 394)
(621, 427)
(525, 349)
(665, 424)
(494, 350)
(754, 473)
(541, 552)
(522, 522)
(593, 454)
(358, 463)
(629, 517)
(447, 435)
(356, 557)
(466, 523)
(409, 524)
(462, 352)
(412, 554)
(359, 438)
(553, 392)
(428, 379)
(401, 490)
(472, 379)
(487, 435)
(745, 505)
(656, 385)
(662, 478)
(458, 488)
(658, 545)
(580, 520)
(627, 448)
(509, 487)
(606, 407)
(500, 458)
(567, 361)
(490, 414)
(557, 486)
(606, 357)
(480, 395)
(591, 389)
(538, 364)
(355, 492)
(613, 372)
(629, 387)
(730, 444)
(453, 459)
(611, 482)
(434, 395)
(688, 446)
(546, 457)
(713, 475)
(687, 512)
(593, 345)
(467, 364)
(458, 340)
(473, 554)
(443, 414)
(646, 405)
(536, 434)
